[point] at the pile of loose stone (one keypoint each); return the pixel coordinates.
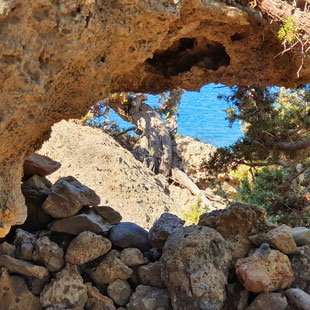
(72, 253)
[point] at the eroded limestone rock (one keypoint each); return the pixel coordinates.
(66, 290)
(265, 271)
(59, 58)
(236, 224)
(195, 264)
(86, 247)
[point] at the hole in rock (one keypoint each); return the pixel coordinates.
(102, 59)
(78, 10)
(188, 52)
(237, 37)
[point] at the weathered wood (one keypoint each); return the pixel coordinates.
(159, 146)
(181, 177)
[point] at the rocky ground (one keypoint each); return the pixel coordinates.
(75, 253)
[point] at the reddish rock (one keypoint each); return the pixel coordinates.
(40, 164)
(265, 271)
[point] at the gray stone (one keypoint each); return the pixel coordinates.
(15, 295)
(133, 257)
(86, 247)
(7, 249)
(25, 251)
(195, 264)
(120, 291)
(301, 235)
(67, 197)
(298, 298)
(163, 227)
(110, 269)
(151, 298)
(109, 214)
(50, 253)
(40, 164)
(130, 235)
(22, 267)
(36, 217)
(150, 274)
(36, 285)
(67, 290)
(301, 267)
(23, 236)
(269, 301)
(39, 182)
(76, 224)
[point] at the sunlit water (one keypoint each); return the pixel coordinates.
(202, 116)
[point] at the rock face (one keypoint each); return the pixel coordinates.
(265, 271)
(121, 181)
(236, 224)
(62, 57)
(195, 264)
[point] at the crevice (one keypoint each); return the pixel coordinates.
(189, 52)
(237, 37)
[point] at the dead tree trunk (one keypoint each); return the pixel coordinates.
(159, 144)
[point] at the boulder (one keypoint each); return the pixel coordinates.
(298, 298)
(130, 235)
(40, 164)
(22, 267)
(236, 224)
(149, 298)
(120, 291)
(87, 221)
(15, 295)
(110, 269)
(66, 290)
(150, 274)
(97, 301)
(163, 228)
(281, 238)
(265, 271)
(36, 217)
(24, 242)
(109, 214)
(39, 182)
(301, 268)
(269, 301)
(50, 254)
(301, 235)
(67, 197)
(133, 257)
(195, 265)
(7, 249)
(86, 247)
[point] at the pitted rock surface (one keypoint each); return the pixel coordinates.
(62, 57)
(236, 224)
(195, 264)
(86, 247)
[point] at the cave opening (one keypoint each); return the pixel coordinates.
(188, 52)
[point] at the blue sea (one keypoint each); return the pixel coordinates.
(202, 116)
